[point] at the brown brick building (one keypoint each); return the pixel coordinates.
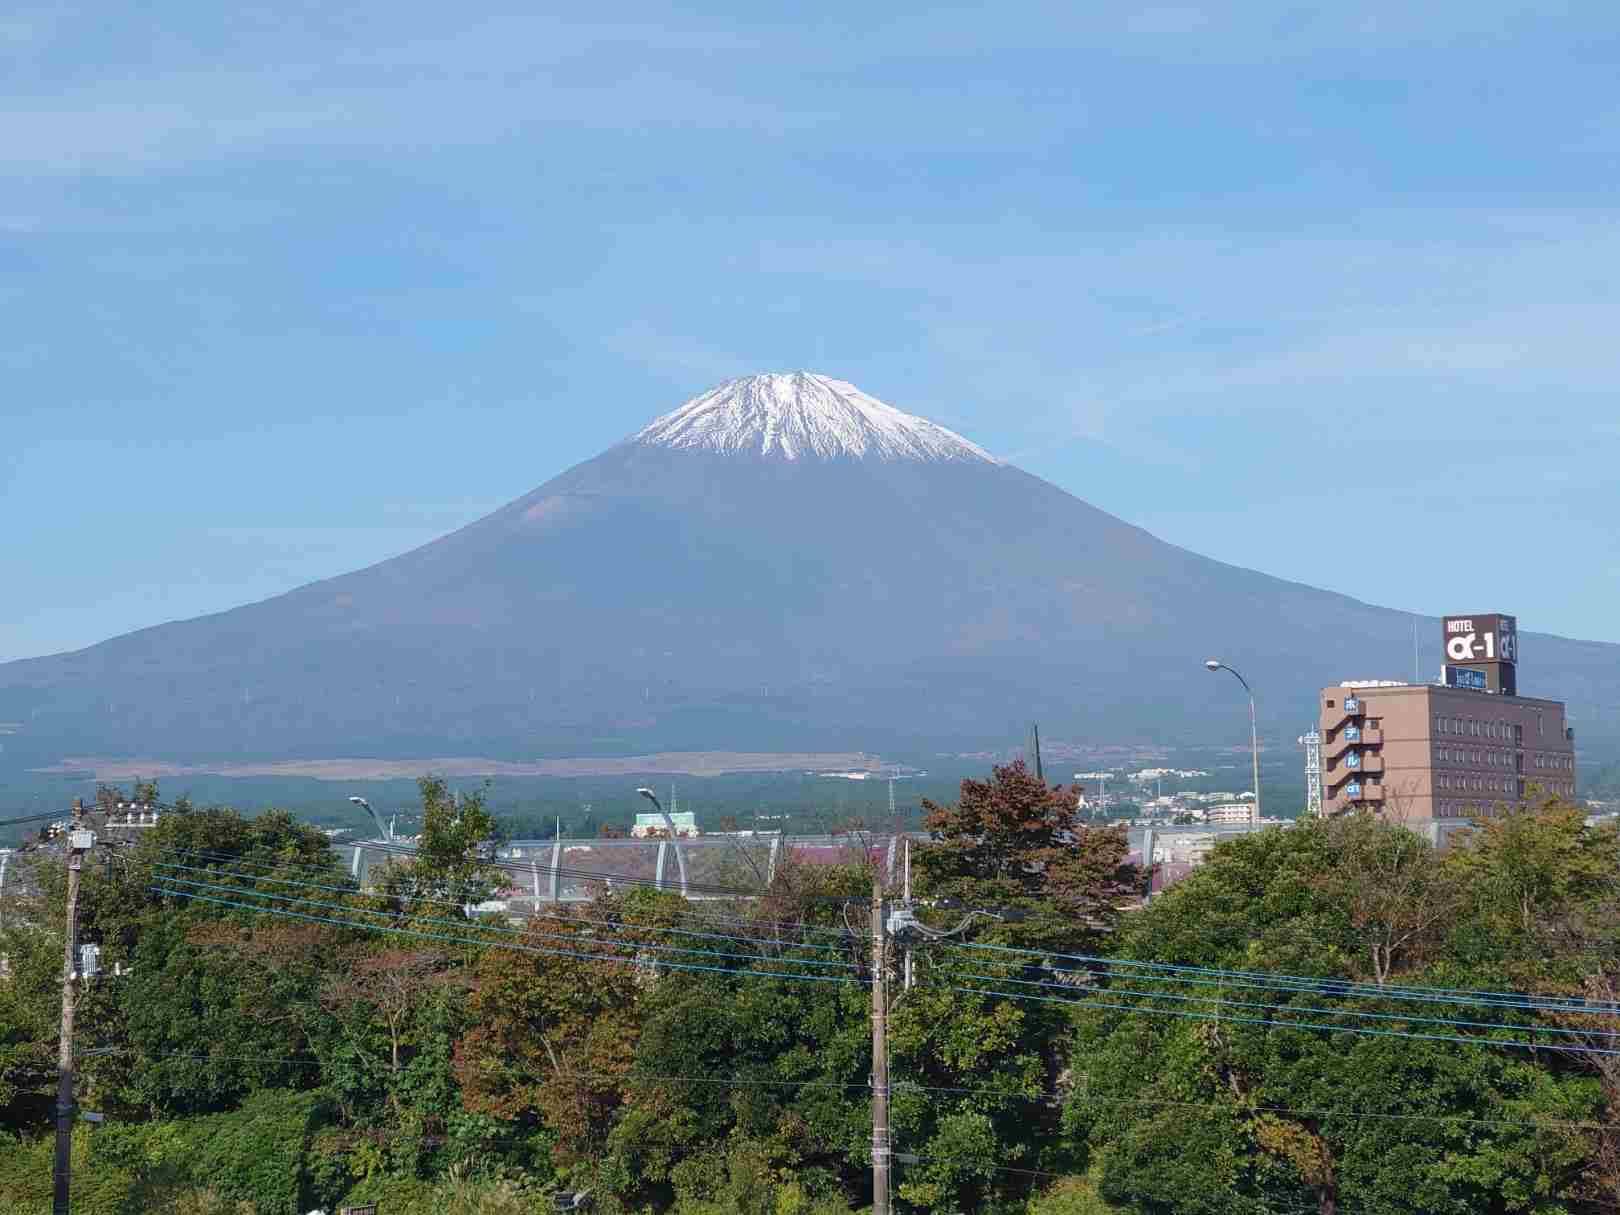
(1425, 752)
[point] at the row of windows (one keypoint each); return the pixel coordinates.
(1465, 809)
(1491, 758)
(1565, 763)
(1476, 728)
(1445, 808)
(1476, 784)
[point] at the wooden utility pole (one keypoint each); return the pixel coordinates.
(907, 979)
(880, 1056)
(78, 842)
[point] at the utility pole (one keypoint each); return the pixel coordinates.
(908, 974)
(880, 1057)
(79, 842)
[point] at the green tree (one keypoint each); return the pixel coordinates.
(451, 869)
(1278, 1116)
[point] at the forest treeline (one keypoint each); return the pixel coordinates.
(1314, 1020)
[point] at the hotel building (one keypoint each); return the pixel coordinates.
(1420, 751)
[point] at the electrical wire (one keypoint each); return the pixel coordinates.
(1122, 969)
(1334, 1012)
(1326, 986)
(1281, 984)
(903, 1088)
(405, 852)
(1116, 992)
(694, 914)
(1166, 972)
(513, 946)
(560, 917)
(518, 932)
(515, 868)
(1087, 1003)
(528, 869)
(1208, 976)
(1082, 1003)
(50, 816)
(1260, 980)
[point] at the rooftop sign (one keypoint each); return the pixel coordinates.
(1488, 646)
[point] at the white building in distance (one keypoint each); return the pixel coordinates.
(653, 824)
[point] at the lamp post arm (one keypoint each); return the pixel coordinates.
(1254, 734)
(674, 839)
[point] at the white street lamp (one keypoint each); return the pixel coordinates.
(1254, 738)
(382, 829)
(674, 839)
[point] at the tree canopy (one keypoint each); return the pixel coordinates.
(1054, 1045)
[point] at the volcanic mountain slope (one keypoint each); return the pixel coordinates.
(782, 562)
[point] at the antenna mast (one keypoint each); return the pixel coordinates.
(1312, 743)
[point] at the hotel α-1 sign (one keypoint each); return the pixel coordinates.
(1488, 643)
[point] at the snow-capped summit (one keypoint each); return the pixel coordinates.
(798, 415)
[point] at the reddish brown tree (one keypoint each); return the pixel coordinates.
(1014, 839)
(552, 1036)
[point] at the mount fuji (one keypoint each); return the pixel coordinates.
(782, 563)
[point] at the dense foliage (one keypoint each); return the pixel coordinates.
(395, 1045)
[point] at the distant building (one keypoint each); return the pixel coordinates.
(1231, 813)
(653, 824)
(1466, 748)
(1152, 774)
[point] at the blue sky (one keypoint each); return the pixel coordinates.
(1328, 291)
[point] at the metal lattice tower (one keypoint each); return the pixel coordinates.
(1312, 743)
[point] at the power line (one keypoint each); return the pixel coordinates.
(694, 913)
(404, 852)
(1085, 1003)
(905, 1087)
(50, 816)
(1325, 985)
(1335, 1012)
(1237, 978)
(513, 946)
(1337, 1029)
(1207, 976)
(557, 916)
(517, 868)
(286, 898)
